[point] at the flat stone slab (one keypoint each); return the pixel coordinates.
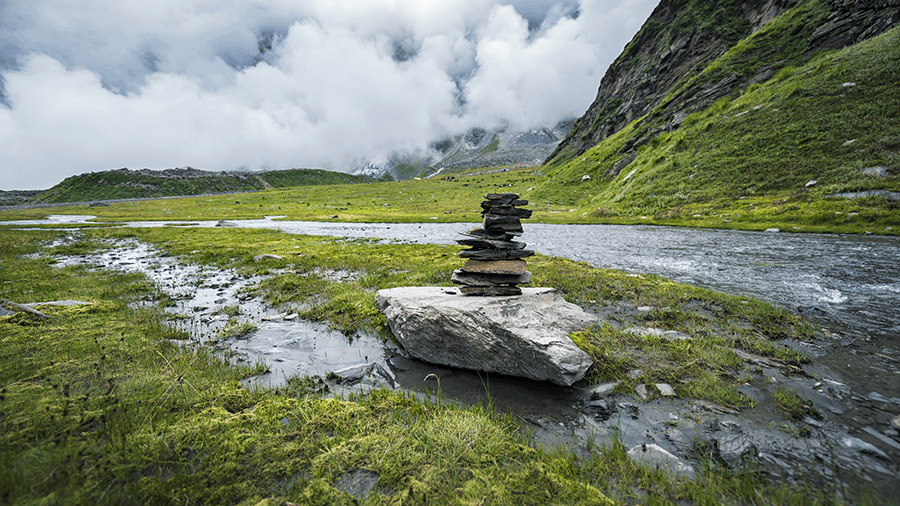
(524, 335)
(510, 267)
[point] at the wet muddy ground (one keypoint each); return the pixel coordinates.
(855, 441)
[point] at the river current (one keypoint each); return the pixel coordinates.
(849, 284)
(853, 282)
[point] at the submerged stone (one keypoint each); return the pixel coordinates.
(524, 336)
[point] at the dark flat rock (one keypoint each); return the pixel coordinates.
(495, 219)
(491, 244)
(461, 277)
(488, 204)
(497, 235)
(495, 254)
(508, 211)
(504, 198)
(490, 291)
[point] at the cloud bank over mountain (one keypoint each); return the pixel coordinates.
(223, 85)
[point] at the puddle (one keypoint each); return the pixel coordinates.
(307, 349)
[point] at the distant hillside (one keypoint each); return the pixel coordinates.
(146, 183)
(782, 117)
(499, 147)
(17, 197)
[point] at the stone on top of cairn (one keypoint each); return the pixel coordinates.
(495, 262)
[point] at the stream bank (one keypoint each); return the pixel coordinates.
(579, 417)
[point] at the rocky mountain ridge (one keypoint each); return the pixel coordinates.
(502, 146)
(664, 73)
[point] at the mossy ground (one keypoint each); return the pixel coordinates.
(100, 407)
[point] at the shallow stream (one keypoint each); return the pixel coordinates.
(849, 284)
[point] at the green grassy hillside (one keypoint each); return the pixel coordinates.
(125, 184)
(770, 154)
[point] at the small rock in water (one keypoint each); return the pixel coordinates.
(877, 397)
(665, 389)
(735, 449)
(634, 374)
(641, 391)
(602, 409)
(603, 389)
(656, 457)
(773, 230)
(859, 444)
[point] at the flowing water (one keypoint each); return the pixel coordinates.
(850, 285)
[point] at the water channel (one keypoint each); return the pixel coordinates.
(850, 285)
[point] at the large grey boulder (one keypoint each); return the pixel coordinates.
(524, 335)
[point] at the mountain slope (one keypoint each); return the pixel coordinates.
(667, 70)
(477, 148)
(825, 122)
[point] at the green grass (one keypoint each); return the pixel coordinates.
(491, 146)
(334, 280)
(790, 403)
(107, 185)
(745, 161)
(100, 407)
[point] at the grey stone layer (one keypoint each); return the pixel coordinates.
(525, 336)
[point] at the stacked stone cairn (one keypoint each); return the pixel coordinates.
(495, 263)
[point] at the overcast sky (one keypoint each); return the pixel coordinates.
(92, 85)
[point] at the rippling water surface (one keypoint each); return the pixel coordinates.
(852, 281)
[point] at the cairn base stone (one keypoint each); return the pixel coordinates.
(525, 336)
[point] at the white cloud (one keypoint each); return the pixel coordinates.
(99, 84)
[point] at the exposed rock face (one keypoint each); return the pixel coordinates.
(651, 65)
(524, 336)
(670, 48)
